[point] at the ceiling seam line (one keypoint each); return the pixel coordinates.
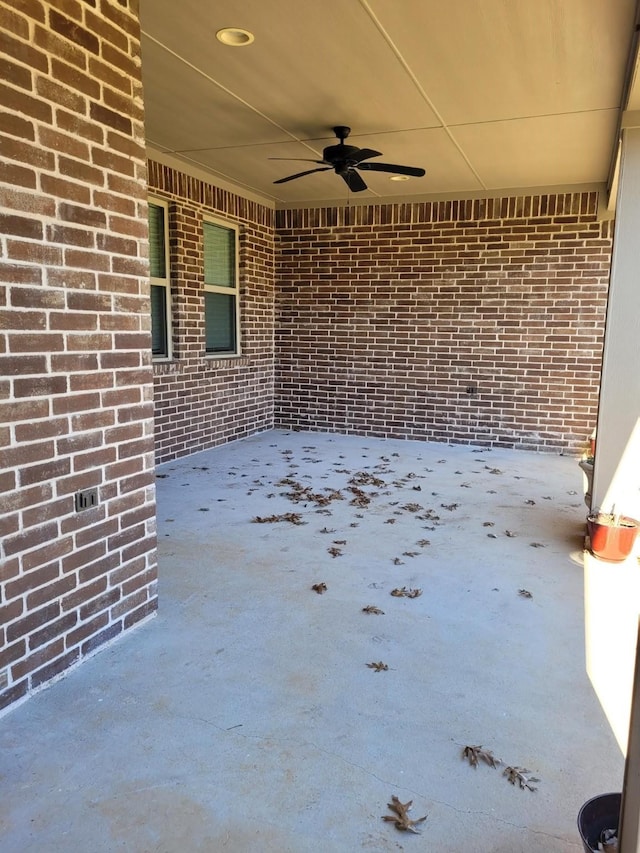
(416, 83)
(199, 71)
(408, 129)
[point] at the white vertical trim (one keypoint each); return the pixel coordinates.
(616, 479)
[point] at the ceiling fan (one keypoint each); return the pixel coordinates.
(345, 160)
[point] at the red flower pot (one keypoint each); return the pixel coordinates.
(612, 541)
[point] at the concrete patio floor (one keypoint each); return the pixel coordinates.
(244, 717)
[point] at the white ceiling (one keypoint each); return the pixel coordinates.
(486, 95)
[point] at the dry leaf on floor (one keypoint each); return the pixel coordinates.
(537, 545)
(412, 507)
(429, 515)
(488, 524)
(403, 592)
(410, 553)
(319, 587)
(423, 542)
(492, 535)
(362, 478)
(449, 506)
(474, 754)
(400, 818)
(510, 534)
(371, 608)
(293, 517)
(390, 521)
(327, 530)
(525, 593)
(378, 666)
(359, 497)
(339, 541)
(530, 502)
(519, 775)
(492, 470)
(397, 561)
(335, 552)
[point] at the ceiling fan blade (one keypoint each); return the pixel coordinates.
(301, 175)
(364, 154)
(353, 180)
(390, 167)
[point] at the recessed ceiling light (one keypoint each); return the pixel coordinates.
(399, 178)
(234, 37)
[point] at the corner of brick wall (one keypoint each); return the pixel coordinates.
(77, 407)
(476, 322)
(202, 402)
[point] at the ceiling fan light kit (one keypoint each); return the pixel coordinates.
(346, 160)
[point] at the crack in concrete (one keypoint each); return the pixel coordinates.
(398, 787)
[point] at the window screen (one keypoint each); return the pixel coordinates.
(219, 255)
(157, 253)
(220, 322)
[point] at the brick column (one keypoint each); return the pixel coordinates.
(76, 404)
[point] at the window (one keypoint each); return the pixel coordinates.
(221, 292)
(160, 286)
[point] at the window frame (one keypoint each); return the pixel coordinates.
(225, 291)
(165, 282)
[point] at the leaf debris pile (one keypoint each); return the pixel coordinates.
(293, 517)
(400, 817)
(360, 498)
(319, 587)
(403, 592)
(362, 478)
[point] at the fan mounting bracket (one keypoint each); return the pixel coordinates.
(341, 132)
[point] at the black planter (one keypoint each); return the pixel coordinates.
(597, 814)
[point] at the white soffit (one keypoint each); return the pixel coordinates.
(483, 94)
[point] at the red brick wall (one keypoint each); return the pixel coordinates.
(201, 401)
(387, 314)
(75, 403)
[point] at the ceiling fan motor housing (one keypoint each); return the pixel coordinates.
(339, 153)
